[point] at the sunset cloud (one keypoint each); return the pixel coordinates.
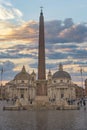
(27, 32)
(61, 32)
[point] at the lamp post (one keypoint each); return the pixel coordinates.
(81, 71)
(1, 83)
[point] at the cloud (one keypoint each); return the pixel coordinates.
(68, 22)
(8, 72)
(7, 11)
(56, 31)
(27, 32)
(65, 31)
(76, 33)
(19, 51)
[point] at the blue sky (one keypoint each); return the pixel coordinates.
(54, 9)
(65, 36)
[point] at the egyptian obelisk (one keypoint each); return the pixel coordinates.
(41, 82)
(41, 49)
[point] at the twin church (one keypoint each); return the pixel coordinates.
(58, 87)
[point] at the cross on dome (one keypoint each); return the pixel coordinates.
(41, 9)
(60, 67)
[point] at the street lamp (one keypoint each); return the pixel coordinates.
(1, 82)
(81, 71)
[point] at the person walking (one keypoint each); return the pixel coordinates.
(84, 104)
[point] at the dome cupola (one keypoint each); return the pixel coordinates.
(61, 74)
(23, 75)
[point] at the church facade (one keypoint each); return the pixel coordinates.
(22, 86)
(60, 86)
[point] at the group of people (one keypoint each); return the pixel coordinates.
(13, 100)
(82, 102)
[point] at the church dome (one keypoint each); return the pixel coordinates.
(61, 73)
(23, 75)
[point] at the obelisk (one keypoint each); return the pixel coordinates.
(41, 82)
(41, 49)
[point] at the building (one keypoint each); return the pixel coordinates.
(79, 92)
(22, 86)
(60, 86)
(85, 91)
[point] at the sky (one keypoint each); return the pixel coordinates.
(65, 36)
